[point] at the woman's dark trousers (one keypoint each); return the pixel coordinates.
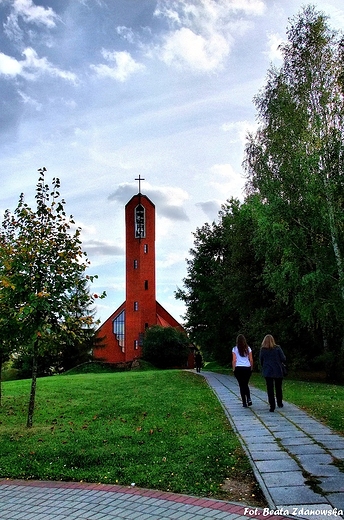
(274, 385)
(243, 375)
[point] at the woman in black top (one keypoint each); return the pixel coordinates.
(271, 359)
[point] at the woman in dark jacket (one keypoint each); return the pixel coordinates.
(271, 360)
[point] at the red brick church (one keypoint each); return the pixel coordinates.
(122, 333)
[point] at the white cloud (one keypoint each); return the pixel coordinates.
(169, 201)
(9, 66)
(126, 33)
(227, 181)
(102, 248)
(31, 67)
(211, 208)
(238, 130)
(32, 13)
(29, 13)
(185, 48)
(201, 33)
(35, 66)
(274, 51)
(27, 100)
(121, 67)
(251, 7)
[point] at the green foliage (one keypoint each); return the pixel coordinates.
(112, 428)
(44, 296)
(165, 347)
(225, 292)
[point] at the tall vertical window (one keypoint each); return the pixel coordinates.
(136, 264)
(140, 231)
(136, 306)
(136, 344)
(118, 328)
(146, 285)
(145, 248)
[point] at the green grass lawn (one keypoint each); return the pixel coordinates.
(158, 429)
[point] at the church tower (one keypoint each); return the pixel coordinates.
(140, 271)
(121, 335)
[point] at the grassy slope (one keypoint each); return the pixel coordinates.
(158, 429)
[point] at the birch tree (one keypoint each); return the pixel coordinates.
(295, 163)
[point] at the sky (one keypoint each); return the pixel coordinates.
(102, 91)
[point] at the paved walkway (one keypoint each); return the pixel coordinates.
(21, 500)
(290, 452)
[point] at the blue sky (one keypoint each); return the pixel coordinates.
(101, 91)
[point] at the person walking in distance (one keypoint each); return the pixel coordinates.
(271, 359)
(242, 363)
(198, 361)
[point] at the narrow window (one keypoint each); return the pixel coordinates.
(136, 264)
(145, 248)
(118, 328)
(136, 344)
(140, 221)
(136, 306)
(146, 285)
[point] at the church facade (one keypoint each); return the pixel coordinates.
(122, 334)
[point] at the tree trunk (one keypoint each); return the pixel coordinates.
(33, 388)
(334, 235)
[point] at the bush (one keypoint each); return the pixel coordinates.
(165, 347)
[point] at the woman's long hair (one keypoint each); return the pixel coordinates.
(242, 345)
(268, 342)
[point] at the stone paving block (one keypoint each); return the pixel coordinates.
(256, 439)
(287, 478)
(220, 515)
(175, 515)
(337, 453)
(186, 516)
(294, 441)
(333, 484)
(132, 515)
(273, 446)
(271, 466)
(313, 427)
(144, 516)
(307, 449)
(331, 441)
(92, 515)
(292, 434)
(277, 454)
(249, 429)
(321, 458)
(336, 500)
(320, 470)
(280, 428)
(287, 495)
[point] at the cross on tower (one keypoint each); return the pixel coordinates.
(139, 179)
